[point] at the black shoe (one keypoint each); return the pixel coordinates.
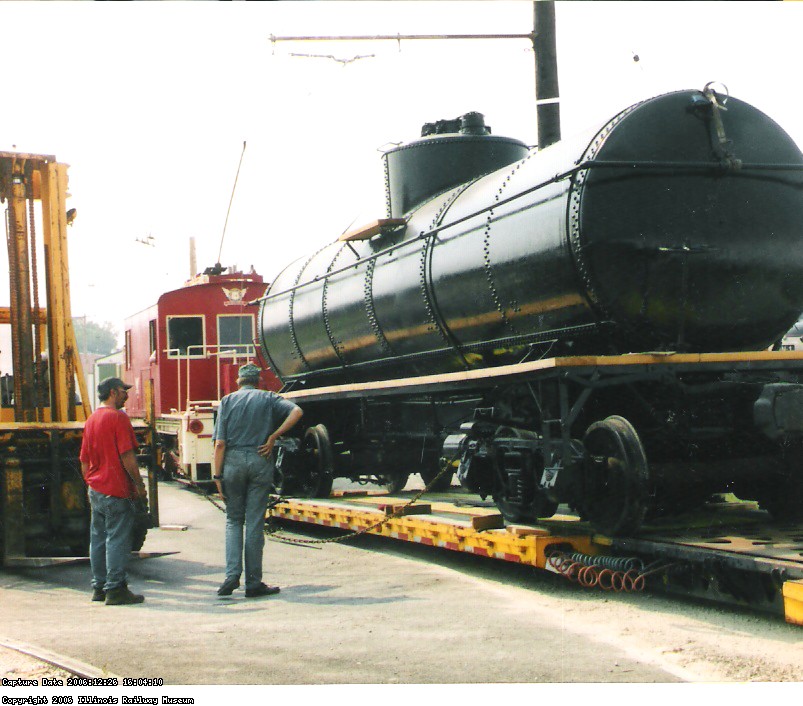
(261, 590)
(122, 596)
(98, 594)
(228, 586)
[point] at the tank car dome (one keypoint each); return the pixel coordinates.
(450, 152)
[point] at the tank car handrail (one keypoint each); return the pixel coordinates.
(582, 166)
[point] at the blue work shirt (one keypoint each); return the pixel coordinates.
(247, 417)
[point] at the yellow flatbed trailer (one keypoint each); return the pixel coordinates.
(729, 553)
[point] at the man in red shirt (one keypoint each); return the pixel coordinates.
(109, 466)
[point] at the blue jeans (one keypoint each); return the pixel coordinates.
(109, 539)
(248, 478)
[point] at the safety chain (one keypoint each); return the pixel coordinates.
(272, 531)
(610, 573)
(273, 503)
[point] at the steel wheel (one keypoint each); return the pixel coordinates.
(526, 502)
(782, 496)
(430, 471)
(393, 483)
(317, 479)
(616, 492)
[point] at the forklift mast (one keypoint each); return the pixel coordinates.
(44, 508)
(46, 367)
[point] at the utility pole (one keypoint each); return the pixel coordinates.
(547, 101)
(544, 51)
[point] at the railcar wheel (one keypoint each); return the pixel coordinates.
(517, 495)
(317, 479)
(615, 499)
(430, 471)
(784, 499)
(393, 483)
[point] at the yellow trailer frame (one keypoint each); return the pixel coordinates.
(733, 535)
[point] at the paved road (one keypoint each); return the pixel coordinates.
(346, 614)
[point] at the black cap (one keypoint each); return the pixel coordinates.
(106, 386)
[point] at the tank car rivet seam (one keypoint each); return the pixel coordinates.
(489, 265)
(368, 299)
(441, 214)
(433, 324)
(388, 205)
(575, 202)
(296, 352)
(261, 329)
(337, 346)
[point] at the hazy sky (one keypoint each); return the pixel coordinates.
(150, 104)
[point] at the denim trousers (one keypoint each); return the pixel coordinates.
(247, 477)
(110, 532)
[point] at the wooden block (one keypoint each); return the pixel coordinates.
(349, 493)
(486, 522)
(463, 509)
(527, 531)
(391, 509)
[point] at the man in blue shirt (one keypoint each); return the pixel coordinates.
(248, 423)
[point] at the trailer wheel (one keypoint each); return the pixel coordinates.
(615, 494)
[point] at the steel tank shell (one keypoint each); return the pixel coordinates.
(686, 258)
(637, 231)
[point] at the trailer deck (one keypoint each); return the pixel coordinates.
(729, 553)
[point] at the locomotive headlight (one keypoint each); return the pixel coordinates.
(196, 426)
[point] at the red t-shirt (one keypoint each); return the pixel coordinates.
(108, 434)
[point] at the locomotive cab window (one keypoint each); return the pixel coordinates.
(152, 336)
(185, 336)
(235, 333)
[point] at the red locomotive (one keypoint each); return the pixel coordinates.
(182, 356)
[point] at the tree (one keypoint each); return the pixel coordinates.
(93, 337)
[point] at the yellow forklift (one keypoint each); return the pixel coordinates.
(44, 401)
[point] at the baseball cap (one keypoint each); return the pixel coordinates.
(106, 386)
(249, 370)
